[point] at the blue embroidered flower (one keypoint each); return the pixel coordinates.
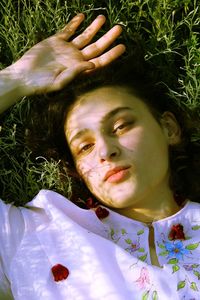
(176, 249)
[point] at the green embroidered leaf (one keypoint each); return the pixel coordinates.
(173, 261)
(112, 232)
(143, 257)
(188, 238)
(140, 232)
(163, 253)
(196, 273)
(128, 241)
(196, 227)
(193, 286)
(181, 285)
(141, 250)
(161, 246)
(155, 295)
(175, 268)
(123, 231)
(195, 266)
(192, 246)
(145, 296)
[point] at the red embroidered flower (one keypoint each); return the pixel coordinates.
(101, 212)
(60, 272)
(176, 232)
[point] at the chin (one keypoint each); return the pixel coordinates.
(118, 203)
(119, 196)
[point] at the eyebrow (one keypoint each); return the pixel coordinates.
(108, 116)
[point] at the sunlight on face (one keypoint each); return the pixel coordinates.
(119, 149)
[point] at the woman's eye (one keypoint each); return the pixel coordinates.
(121, 127)
(85, 148)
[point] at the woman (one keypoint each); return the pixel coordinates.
(147, 245)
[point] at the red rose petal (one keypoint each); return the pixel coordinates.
(101, 212)
(176, 232)
(90, 203)
(59, 272)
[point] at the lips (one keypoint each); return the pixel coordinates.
(115, 171)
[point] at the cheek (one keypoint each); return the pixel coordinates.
(133, 140)
(145, 147)
(87, 169)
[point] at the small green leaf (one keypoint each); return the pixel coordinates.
(175, 268)
(140, 232)
(143, 257)
(163, 253)
(193, 286)
(196, 227)
(141, 250)
(155, 295)
(195, 266)
(192, 246)
(123, 231)
(173, 261)
(112, 232)
(181, 285)
(196, 273)
(128, 241)
(145, 296)
(161, 246)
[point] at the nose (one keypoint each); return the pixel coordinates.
(108, 151)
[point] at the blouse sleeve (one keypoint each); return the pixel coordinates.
(11, 233)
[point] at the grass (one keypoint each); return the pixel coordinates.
(168, 31)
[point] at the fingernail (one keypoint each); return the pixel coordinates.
(80, 15)
(101, 16)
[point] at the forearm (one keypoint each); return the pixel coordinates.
(11, 89)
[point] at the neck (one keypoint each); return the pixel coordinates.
(155, 207)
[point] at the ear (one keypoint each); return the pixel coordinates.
(171, 128)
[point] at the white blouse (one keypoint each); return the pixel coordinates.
(95, 257)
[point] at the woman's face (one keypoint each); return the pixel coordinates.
(119, 149)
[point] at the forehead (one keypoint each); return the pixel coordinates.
(93, 106)
(102, 100)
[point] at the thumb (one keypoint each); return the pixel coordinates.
(66, 76)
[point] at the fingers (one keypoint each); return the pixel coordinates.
(71, 27)
(83, 39)
(109, 56)
(103, 43)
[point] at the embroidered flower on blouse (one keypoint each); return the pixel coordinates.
(133, 247)
(59, 272)
(144, 278)
(101, 212)
(176, 249)
(176, 233)
(189, 267)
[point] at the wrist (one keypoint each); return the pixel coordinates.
(11, 78)
(11, 87)
(15, 74)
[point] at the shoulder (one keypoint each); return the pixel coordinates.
(54, 207)
(10, 216)
(193, 207)
(50, 203)
(191, 211)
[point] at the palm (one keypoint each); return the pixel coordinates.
(54, 62)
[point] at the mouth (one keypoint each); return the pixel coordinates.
(117, 174)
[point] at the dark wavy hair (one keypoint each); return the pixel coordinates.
(45, 134)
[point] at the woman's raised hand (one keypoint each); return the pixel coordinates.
(54, 62)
